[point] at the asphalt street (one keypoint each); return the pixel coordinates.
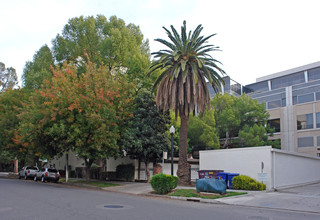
(21, 199)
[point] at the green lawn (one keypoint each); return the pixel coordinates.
(94, 183)
(193, 193)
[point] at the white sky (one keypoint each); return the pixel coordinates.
(256, 37)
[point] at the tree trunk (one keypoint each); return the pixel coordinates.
(183, 166)
(88, 169)
(67, 166)
(146, 163)
(226, 142)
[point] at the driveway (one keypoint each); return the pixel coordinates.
(304, 198)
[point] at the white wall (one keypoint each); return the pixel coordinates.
(284, 169)
(291, 169)
(246, 161)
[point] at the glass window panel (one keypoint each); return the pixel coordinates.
(294, 100)
(288, 80)
(314, 74)
(306, 98)
(255, 87)
(318, 140)
(318, 119)
(304, 121)
(275, 123)
(274, 104)
(305, 142)
(317, 95)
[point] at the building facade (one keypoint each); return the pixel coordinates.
(292, 98)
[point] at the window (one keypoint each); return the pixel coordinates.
(317, 95)
(305, 142)
(305, 98)
(274, 123)
(314, 74)
(318, 140)
(288, 80)
(318, 119)
(304, 121)
(274, 104)
(257, 87)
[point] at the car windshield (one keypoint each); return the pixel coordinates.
(33, 168)
(52, 170)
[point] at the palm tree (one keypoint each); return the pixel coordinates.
(185, 68)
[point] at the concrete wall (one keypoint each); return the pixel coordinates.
(283, 168)
(246, 161)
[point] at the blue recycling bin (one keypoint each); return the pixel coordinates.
(230, 177)
(224, 176)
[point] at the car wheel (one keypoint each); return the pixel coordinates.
(35, 178)
(25, 176)
(42, 179)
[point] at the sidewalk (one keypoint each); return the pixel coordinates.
(304, 198)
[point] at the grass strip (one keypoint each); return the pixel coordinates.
(94, 183)
(192, 193)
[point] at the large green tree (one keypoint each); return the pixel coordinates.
(39, 69)
(8, 77)
(185, 65)
(146, 138)
(78, 112)
(241, 117)
(114, 44)
(202, 131)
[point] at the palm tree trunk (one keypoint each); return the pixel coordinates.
(183, 166)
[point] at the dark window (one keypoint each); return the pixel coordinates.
(294, 100)
(288, 80)
(314, 74)
(306, 98)
(274, 104)
(318, 140)
(305, 142)
(304, 121)
(274, 123)
(257, 87)
(318, 119)
(52, 170)
(317, 95)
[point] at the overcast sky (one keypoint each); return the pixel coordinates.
(256, 37)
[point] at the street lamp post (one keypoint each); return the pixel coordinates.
(172, 130)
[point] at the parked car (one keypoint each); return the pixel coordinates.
(47, 174)
(28, 172)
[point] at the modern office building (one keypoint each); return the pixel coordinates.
(292, 98)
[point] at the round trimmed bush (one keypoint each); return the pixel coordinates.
(163, 183)
(247, 183)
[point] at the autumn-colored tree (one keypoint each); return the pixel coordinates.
(79, 112)
(11, 105)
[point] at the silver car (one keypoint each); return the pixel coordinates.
(47, 174)
(28, 172)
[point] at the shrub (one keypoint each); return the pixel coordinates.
(111, 175)
(103, 175)
(247, 183)
(125, 171)
(163, 183)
